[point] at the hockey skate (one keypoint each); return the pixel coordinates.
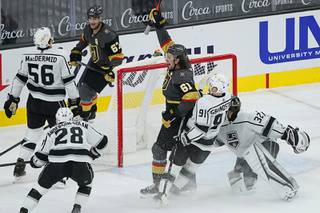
(76, 208)
(149, 190)
(19, 169)
(23, 210)
(162, 199)
(191, 186)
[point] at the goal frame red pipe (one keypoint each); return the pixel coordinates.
(158, 66)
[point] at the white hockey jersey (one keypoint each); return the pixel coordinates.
(46, 74)
(249, 128)
(70, 141)
(207, 117)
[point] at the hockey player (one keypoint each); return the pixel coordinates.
(67, 151)
(197, 138)
(243, 133)
(106, 53)
(180, 96)
(46, 74)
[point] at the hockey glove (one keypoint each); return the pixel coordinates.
(167, 118)
(11, 105)
(94, 153)
(75, 56)
(34, 163)
(74, 105)
(184, 139)
(109, 76)
(157, 19)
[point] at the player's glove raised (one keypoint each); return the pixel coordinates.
(157, 19)
(75, 56)
(74, 105)
(11, 105)
(167, 118)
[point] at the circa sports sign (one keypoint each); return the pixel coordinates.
(123, 19)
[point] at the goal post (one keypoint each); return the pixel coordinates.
(158, 63)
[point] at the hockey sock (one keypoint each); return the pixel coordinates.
(158, 168)
(82, 195)
(33, 198)
(86, 109)
(29, 143)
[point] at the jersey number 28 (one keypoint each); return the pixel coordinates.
(75, 136)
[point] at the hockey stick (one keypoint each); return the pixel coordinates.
(96, 70)
(10, 148)
(148, 27)
(173, 153)
(17, 144)
(11, 164)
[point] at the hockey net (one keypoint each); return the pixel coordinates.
(133, 119)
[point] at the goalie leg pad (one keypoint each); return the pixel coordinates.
(236, 181)
(272, 146)
(269, 169)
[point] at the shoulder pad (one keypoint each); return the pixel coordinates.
(182, 76)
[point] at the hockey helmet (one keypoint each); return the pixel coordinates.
(64, 114)
(42, 37)
(220, 82)
(94, 11)
(177, 50)
(180, 52)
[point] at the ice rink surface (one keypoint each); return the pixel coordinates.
(116, 190)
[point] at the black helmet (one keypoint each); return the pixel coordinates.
(235, 106)
(180, 52)
(94, 11)
(177, 50)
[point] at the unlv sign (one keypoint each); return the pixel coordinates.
(308, 30)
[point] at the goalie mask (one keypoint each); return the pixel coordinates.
(94, 11)
(64, 114)
(218, 84)
(43, 38)
(234, 108)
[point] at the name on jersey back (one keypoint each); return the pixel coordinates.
(44, 58)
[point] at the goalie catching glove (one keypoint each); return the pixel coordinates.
(75, 56)
(299, 140)
(11, 105)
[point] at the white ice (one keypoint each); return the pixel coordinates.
(116, 190)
